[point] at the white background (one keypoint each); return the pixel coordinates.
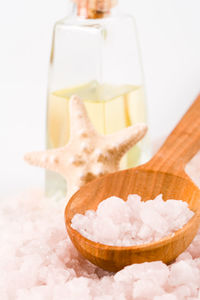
(169, 32)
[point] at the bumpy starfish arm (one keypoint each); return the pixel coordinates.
(46, 159)
(125, 139)
(79, 121)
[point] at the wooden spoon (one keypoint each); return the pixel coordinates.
(165, 174)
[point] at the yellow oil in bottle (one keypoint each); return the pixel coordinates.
(110, 109)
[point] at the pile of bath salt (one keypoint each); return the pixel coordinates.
(133, 222)
(38, 261)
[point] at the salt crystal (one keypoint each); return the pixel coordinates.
(154, 220)
(155, 271)
(145, 232)
(103, 233)
(135, 204)
(166, 297)
(183, 291)
(144, 288)
(182, 273)
(184, 256)
(194, 248)
(104, 298)
(114, 208)
(90, 213)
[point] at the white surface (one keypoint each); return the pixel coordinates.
(169, 32)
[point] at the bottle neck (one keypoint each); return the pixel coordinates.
(94, 9)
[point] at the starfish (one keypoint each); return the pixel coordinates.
(88, 154)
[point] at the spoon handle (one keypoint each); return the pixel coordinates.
(182, 144)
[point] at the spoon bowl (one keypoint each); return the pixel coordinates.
(163, 174)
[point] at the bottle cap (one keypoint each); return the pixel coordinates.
(93, 9)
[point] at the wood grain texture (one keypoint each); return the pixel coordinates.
(164, 173)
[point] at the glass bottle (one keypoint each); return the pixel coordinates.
(95, 54)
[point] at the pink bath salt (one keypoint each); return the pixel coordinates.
(39, 262)
(194, 248)
(90, 213)
(183, 291)
(166, 297)
(104, 232)
(106, 284)
(120, 297)
(4, 295)
(135, 204)
(156, 271)
(184, 256)
(38, 292)
(183, 273)
(133, 222)
(78, 288)
(144, 288)
(105, 298)
(154, 220)
(62, 291)
(115, 209)
(145, 232)
(197, 262)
